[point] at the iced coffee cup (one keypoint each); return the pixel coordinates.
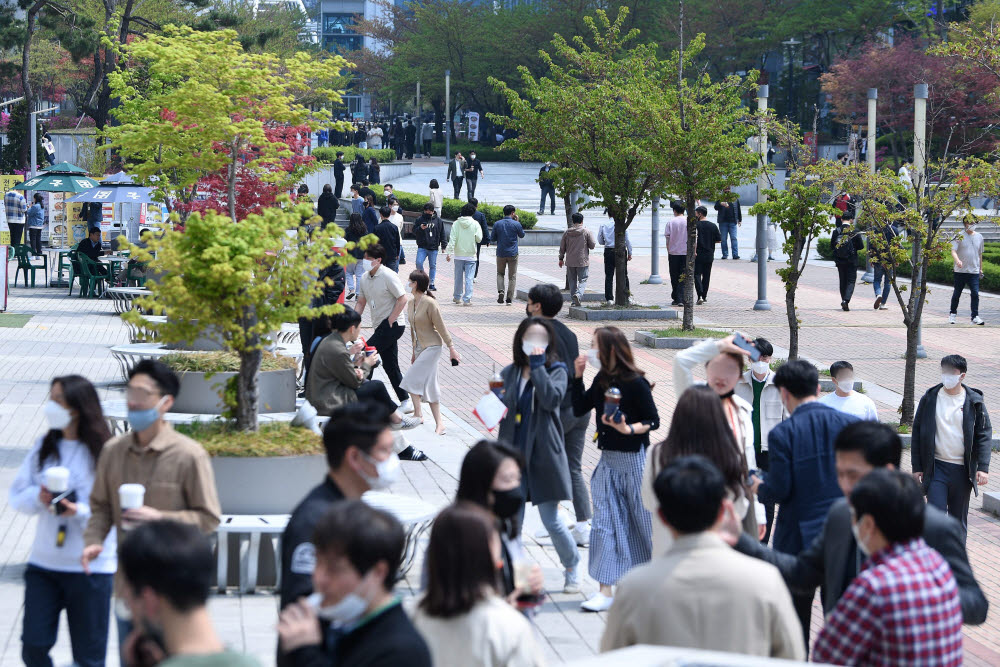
(56, 480)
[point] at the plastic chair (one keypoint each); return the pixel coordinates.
(25, 264)
(92, 277)
(75, 272)
(138, 278)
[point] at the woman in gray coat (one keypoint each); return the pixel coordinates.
(534, 386)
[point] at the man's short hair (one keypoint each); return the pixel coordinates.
(173, 559)
(356, 187)
(894, 500)
(548, 297)
(677, 207)
(847, 215)
(577, 218)
(345, 320)
(764, 346)
(468, 209)
(508, 209)
(164, 378)
(690, 492)
(385, 211)
(428, 206)
(340, 153)
(838, 366)
(93, 230)
(357, 424)
(956, 362)
(363, 535)
(387, 185)
(375, 251)
(798, 377)
(702, 210)
(474, 202)
(878, 443)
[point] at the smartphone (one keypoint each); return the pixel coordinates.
(750, 475)
(744, 344)
(454, 362)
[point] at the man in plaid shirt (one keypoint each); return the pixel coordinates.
(16, 208)
(903, 608)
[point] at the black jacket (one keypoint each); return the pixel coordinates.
(338, 169)
(388, 237)
(846, 246)
(637, 405)
(978, 434)
(326, 207)
(411, 133)
(298, 556)
(833, 559)
(480, 217)
(331, 293)
(359, 172)
(568, 349)
(543, 180)
(729, 214)
(472, 168)
(429, 233)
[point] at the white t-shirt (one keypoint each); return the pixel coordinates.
(949, 436)
(854, 403)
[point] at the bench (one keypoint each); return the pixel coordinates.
(249, 528)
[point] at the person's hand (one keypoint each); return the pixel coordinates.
(447, 258)
(621, 426)
(90, 553)
(579, 364)
(761, 532)
(370, 360)
(357, 348)
(982, 478)
(454, 354)
(739, 224)
(560, 263)
(629, 258)
(919, 476)
(45, 496)
(144, 513)
(298, 626)
(755, 483)
(724, 204)
(958, 264)
(731, 526)
(358, 373)
(537, 350)
(69, 509)
(140, 650)
(727, 345)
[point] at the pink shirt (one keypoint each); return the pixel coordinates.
(676, 235)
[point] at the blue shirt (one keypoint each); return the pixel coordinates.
(506, 231)
(36, 216)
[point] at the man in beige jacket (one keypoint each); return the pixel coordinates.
(574, 252)
(700, 593)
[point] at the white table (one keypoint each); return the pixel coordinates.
(250, 528)
(415, 514)
(122, 296)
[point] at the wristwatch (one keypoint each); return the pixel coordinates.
(631, 429)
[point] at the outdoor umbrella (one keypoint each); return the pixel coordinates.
(64, 168)
(50, 182)
(116, 189)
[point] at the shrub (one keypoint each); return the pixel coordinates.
(221, 439)
(451, 209)
(223, 362)
(483, 153)
(328, 154)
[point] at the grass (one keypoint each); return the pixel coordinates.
(13, 320)
(223, 362)
(900, 428)
(219, 438)
(605, 306)
(697, 332)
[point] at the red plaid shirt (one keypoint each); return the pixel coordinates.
(901, 609)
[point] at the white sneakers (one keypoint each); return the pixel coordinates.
(406, 407)
(571, 582)
(599, 602)
(978, 320)
(581, 533)
(951, 318)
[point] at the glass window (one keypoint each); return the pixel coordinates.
(341, 43)
(338, 24)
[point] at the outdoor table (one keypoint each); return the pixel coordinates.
(415, 514)
(58, 260)
(114, 263)
(250, 528)
(122, 296)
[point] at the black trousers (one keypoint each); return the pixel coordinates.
(763, 462)
(35, 238)
(848, 276)
(457, 184)
(950, 489)
(409, 149)
(427, 146)
(16, 231)
(609, 275)
(374, 391)
(338, 187)
(386, 341)
(702, 275)
(479, 246)
(676, 265)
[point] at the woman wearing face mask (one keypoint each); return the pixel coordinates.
(64, 459)
(620, 529)
(355, 231)
(428, 334)
(374, 170)
(436, 197)
(359, 170)
(396, 218)
(461, 601)
(533, 387)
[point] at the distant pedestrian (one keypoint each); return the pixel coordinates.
(374, 171)
(427, 136)
(357, 203)
(730, 218)
(436, 196)
(506, 232)
(708, 237)
(676, 235)
(480, 217)
(399, 138)
(361, 137)
(321, 137)
(547, 187)
(967, 253)
(411, 138)
(574, 252)
(606, 237)
(388, 238)
(338, 175)
(465, 236)
(456, 173)
(375, 139)
(327, 205)
(359, 170)
(370, 214)
(844, 398)
(355, 231)
(428, 230)
(846, 243)
(16, 208)
(473, 170)
(883, 270)
(35, 220)
(845, 203)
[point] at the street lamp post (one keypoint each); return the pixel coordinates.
(419, 116)
(447, 115)
(790, 98)
(654, 244)
(869, 275)
(919, 178)
(761, 243)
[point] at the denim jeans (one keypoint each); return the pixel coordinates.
(883, 279)
(432, 259)
(949, 490)
(961, 280)
(562, 540)
(728, 231)
(87, 601)
(353, 274)
(465, 270)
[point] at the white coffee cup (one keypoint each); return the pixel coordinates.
(56, 479)
(131, 496)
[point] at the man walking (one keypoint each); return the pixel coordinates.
(547, 187)
(466, 234)
(708, 236)
(574, 252)
(846, 244)
(338, 175)
(951, 441)
(427, 136)
(473, 170)
(388, 237)
(428, 230)
(16, 208)
(506, 232)
(456, 173)
(967, 253)
(730, 217)
(411, 140)
(676, 234)
(606, 237)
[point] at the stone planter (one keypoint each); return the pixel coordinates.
(266, 485)
(828, 385)
(588, 297)
(201, 395)
(649, 339)
(614, 314)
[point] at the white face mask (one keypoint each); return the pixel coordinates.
(760, 367)
(387, 192)
(970, 229)
(348, 610)
(387, 472)
(593, 358)
(529, 346)
(409, 288)
(473, 156)
(395, 207)
(857, 538)
(846, 386)
(366, 264)
(950, 381)
(56, 415)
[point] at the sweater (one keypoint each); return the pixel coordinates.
(427, 328)
(466, 234)
(636, 405)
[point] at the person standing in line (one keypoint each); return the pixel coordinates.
(338, 175)
(374, 171)
(951, 441)
(903, 608)
(357, 203)
(375, 138)
(411, 140)
(547, 187)
(574, 252)
(676, 234)
(396, 218)
(16, 208)
(370, 214)
(473, 170)
(388, 238)
(708, 237)
(54, 578)
(606, 237)
(366, 190)
(321, 137)
(428, 336)
(465, 237)
(428, 230)
(398, 138)
(545, 301)
(756, 387)
(480, 217)
(967, 254)
(846, 244)
(730, 217)
(620, 537)
(533, 390)
(361, 137)
(506, 231)
(35, 219)
(381, 287)
(436, 197)
(844, 398)
(327, 205)
(427, 136)
(456, 173)
(359, 170)
(355, 231)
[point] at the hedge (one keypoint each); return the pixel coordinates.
(451, 209)
(483, 153)
(329, 154)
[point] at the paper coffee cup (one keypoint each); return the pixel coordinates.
(57, 479)
(131, 496)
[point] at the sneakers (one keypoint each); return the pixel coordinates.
(599, 602)
(978, 320)
(411, 454)
(754, 259)
(951, 318)
(500, 298)
(576, 300)
(350, 297)
(700, 301)
(432, 288)
(878, 302)
(542, 533)
(571, 583)
(456, 299)
(406, 407)
(406, 423)
(509, 303)
(770, 259)
(581, 533)
(467, 303)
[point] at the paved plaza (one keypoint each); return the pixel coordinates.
(71, 335)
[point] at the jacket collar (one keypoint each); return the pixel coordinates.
(704, 540)
(749, 379)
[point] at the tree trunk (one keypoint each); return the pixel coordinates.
(793, 320)
(687, 280)
(246, 381)
(29, 95)
(918, 297)
(908, 406)
(621, 264)
(231, 180)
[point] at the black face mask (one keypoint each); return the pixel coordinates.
(728, 394)
(508, 503)
(527, 311)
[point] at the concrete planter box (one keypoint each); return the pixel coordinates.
(588, 297)
(649, 339)
(613, 314)
(828, 385)
(201, 395)
(247, 485)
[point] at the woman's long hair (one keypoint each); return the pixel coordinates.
(422, 281)
(699, 426)
(91, 428)
(479, 468)
(551, 352)
(357, 225)
(615, 353)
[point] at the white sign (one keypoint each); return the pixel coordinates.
(473, 126)
(3, 279)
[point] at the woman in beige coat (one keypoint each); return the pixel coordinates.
(428, 333)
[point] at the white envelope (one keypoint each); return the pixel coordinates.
(490, 410)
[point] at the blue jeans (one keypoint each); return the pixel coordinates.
(352, 276)
(432, 258)
(391, 264)
(465, 270)
(87, 601)
(882, 277)
(562, 540)
(961, 280)
(728, 231)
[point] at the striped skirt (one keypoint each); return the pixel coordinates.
(620, 535)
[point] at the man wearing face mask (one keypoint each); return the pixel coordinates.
(357, 555)
(845, 398)
(951, 441)
(359, 453)
(168, 570)
(473, 170)
(547, 186)
(388, 238)
(967, 254)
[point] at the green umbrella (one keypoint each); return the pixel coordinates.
(58, 183)
(64, 168)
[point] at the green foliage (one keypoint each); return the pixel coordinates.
(223, 362)
(451, 209)
(328, 154)
(697, 332)
(17, 137)
(483, 153)
(219, 438)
